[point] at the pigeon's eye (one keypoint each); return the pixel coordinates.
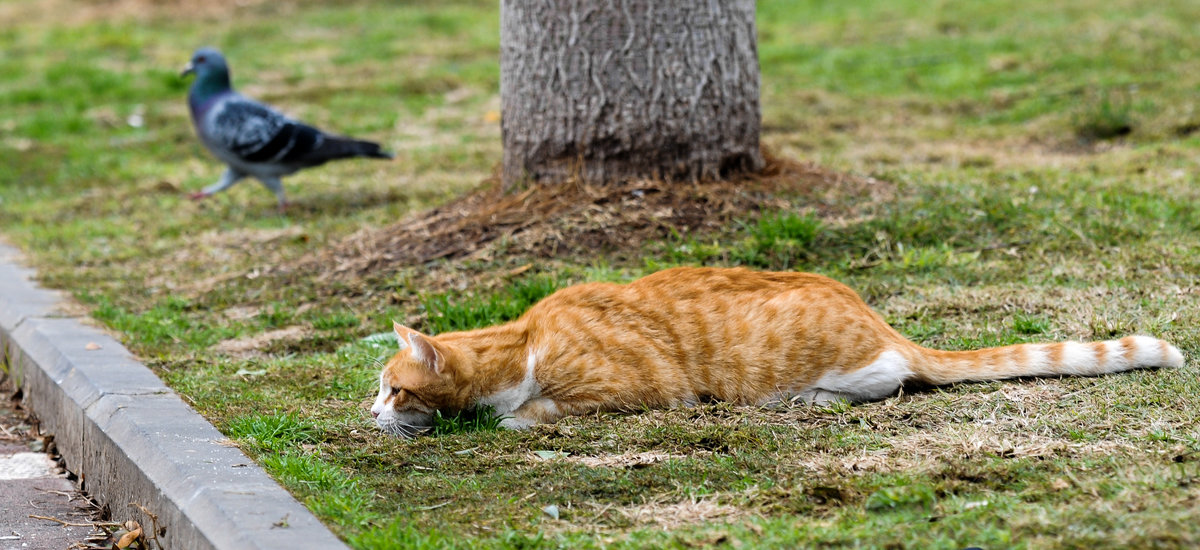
(199, 59)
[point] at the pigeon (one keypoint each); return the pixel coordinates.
(254, 139)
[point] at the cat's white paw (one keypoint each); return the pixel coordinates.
(514, 423)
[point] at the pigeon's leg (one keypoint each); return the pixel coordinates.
(227, 180)
(276, 186)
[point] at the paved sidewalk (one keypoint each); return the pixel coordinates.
(31, 484)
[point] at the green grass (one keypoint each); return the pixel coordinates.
(449, 312)
(1105, 118)
(1037, 167)
(778, 241)
(1029, 324)
(479, 419)
(272, 432)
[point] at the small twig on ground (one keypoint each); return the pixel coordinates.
(69, 496)
(435, 506)
(64, 523)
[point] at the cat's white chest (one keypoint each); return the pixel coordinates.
(508, 399)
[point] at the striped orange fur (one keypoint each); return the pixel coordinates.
(689, 334)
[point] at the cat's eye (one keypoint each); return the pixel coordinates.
(396, 391)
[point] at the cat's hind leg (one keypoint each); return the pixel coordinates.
(877, 380)
(822, 397)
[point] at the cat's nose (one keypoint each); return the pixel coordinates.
(374, 414)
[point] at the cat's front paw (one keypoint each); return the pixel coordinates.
(514, 423)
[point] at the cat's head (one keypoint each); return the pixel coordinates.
(415, 383)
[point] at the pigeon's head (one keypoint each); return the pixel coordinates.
(208, 65)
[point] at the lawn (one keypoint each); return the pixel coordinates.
(1033, 167)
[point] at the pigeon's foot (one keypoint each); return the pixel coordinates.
(199, 195)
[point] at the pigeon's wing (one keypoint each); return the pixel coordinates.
(256, 133)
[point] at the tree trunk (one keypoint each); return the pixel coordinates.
(610, 90)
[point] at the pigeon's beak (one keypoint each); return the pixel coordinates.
(187, 69)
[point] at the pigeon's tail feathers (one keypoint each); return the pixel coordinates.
(373, 150)
(334, 147)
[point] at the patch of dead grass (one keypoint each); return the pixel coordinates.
(930, 451)
(241, 313)
(673, 515)
(624, 460)
(252, 346)
(1009, 423)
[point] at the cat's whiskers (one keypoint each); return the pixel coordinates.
(404, 429)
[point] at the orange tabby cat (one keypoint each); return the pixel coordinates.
(688, 334)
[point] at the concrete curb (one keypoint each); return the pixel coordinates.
(131, 440)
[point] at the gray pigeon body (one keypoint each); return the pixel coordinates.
(252, 138)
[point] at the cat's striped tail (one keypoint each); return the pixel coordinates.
(1057, 359)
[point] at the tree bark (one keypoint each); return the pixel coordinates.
(610, 90)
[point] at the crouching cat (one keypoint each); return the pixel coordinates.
(685, 335)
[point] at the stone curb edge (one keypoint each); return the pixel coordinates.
(131, 440)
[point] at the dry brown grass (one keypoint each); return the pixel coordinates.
(624, 460)
(571, 218)
(673, 515)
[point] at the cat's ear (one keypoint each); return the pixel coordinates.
(423, 349)
(401, 334)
